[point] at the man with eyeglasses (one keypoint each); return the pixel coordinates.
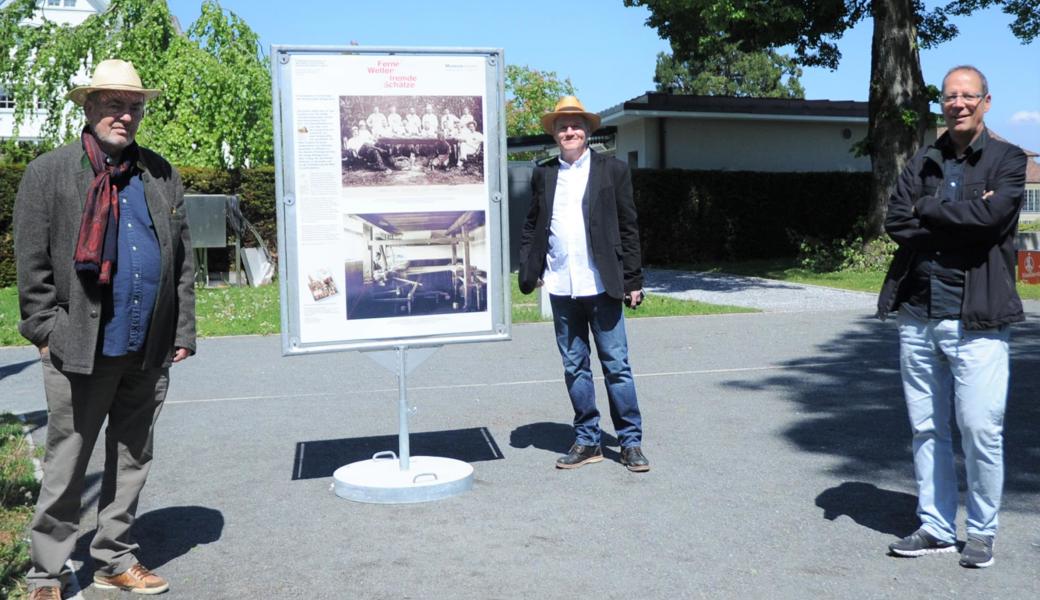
(954, 214)
(106, 291)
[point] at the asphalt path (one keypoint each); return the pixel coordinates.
(780, 460)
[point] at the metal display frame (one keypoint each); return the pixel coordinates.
(291, 276)
(388, 477)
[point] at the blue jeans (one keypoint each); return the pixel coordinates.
(950, 371)
(573, 319)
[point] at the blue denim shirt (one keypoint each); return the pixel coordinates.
(127, 306)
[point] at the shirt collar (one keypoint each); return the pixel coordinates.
(977, 145)
(582, 160)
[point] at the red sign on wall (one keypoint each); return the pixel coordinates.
(1029, 266)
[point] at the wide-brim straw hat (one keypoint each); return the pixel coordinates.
(569, 105)
(112, 75)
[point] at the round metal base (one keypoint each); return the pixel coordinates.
(381, 480)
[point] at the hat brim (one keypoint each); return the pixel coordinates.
(548, 119)
(79, 95)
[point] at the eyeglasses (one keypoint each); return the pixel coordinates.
(967, 98)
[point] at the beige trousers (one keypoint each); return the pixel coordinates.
(77, 406)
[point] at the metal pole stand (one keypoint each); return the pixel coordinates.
(389, 478)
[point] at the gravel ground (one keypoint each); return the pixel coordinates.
(767, 295)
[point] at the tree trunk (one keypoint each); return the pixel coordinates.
(898, 113)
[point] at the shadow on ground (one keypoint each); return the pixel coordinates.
(163, 535)
(320, 458)
(557, 438)
(15, 368)
(853, 410)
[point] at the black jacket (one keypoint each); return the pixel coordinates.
(980, 230)
(610, 225)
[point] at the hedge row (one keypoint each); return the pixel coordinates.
(684, 216)
(255, 189)
(687, 216)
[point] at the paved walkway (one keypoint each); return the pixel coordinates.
(779, 445)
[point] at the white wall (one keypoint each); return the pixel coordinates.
(753, 145)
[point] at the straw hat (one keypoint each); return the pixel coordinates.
(569, 105)
(112, 75)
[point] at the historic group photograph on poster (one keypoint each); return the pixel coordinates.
(397, 180)
(411, 140)
(425, 263)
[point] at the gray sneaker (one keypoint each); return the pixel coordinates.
(978, 552)
(920, 543)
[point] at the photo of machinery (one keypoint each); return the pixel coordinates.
(416, 263)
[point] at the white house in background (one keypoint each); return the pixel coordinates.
(665, 131)
(65, 12)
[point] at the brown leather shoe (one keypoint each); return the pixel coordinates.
(136, 579)
(50, 592)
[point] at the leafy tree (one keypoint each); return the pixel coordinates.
(531, 93)
(215, 110)
(732, 73)
(898, 96)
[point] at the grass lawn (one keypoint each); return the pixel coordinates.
(525, 308)
(246, 310)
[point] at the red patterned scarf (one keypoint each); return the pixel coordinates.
(96, 248)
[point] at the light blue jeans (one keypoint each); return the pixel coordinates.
(949, 371)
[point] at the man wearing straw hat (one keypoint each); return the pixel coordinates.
(105, 286)
(581, 241)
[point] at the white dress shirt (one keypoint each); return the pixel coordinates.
(569, 270)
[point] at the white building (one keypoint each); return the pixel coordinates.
(665, 131)
(64, 12)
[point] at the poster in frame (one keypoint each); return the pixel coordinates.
(391, 189)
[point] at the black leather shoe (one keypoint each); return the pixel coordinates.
(632, 457)
(579, 456)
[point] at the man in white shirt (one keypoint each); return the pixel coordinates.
(470, 142)
(395, 123)
(412, 123)
(430, 122)
(581, 241)
(362, 146)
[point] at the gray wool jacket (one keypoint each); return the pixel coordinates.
(62, 309)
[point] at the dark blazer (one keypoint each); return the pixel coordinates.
(610, 225)
(61, 309)
(979, 231)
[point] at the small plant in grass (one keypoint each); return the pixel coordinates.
(18, 492)
(850, 254)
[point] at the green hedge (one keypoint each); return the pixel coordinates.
(687, 216)
(684, 216)
(255, 189)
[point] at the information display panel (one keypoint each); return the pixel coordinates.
(391, 190)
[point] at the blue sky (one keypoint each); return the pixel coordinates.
(609, 54)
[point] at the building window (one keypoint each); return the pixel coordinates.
(633, 159)
(53, 2)
(1032, 200)
(6, 100)
(70, 2)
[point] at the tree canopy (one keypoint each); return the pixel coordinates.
(215, 109)
(766, 74)
(898, 96)
(531, 93)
